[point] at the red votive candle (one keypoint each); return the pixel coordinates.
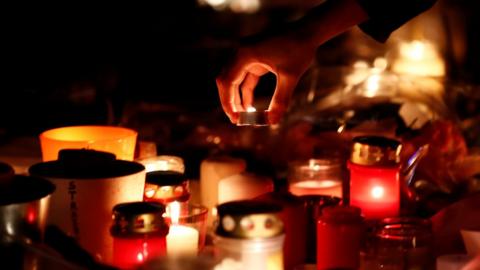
(340, 231)
(139, 232)
(375, 176)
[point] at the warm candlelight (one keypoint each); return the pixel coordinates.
(324, 187)
(316, 177)
(117, 140)
(138, 232)
(419, 58)
(212, 170)
(243, 186)
(375, 177)
(163, 163)
(181, 240)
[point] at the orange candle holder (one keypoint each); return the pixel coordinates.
(117, 140)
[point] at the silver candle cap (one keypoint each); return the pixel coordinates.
(253, 118)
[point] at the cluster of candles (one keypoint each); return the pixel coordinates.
(249, 230)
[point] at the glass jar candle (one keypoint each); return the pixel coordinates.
(340, 231)
(163, 163)
(401, 243)
(375, 176)
(316, 177)
(249, 235)
(313, 205)
(139, 232)
(165, 187)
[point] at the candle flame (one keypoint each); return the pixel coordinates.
(140, 257)
(174, 209)
(377, 192)
(149, 193)
(251, 109)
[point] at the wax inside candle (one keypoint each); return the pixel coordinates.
(316, 187)
(181, 240)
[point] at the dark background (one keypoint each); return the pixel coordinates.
(84, 63)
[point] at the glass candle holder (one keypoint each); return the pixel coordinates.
(163, 163)
(117, 140)
(165, 187)
(375, 176)
(401, 243)
(139, 232)
(249, 235)
(316, 177)
(188, 229)
(340, 231)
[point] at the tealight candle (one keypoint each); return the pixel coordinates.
(316, 177)
(375, 176)
(181, 240)
(252, 117)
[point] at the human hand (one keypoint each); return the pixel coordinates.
(286, 56)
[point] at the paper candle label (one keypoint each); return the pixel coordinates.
(72, 191)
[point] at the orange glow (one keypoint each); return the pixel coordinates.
(116, 140)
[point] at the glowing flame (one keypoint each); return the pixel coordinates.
(377, 192)
(372, 85)
(174, 209)
(251, 109)
(140, 257)
(149, 193)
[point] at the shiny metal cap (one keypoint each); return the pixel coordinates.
(249, 220)
(375, 151)
(138, 218)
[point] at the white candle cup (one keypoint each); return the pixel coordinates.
(212, 170)
(188, 230)
(243, 186)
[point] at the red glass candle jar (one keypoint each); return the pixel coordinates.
(139, 232)
(375, 176)
(340, 232)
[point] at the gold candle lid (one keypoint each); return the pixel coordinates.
(375, 150)
(249, 219)
(138, 218)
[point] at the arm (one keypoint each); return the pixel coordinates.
(287, 54)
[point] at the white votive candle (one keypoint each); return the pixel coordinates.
(181, 240)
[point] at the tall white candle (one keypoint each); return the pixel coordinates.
(181, 240)
(212, 170)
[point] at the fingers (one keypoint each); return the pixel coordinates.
(228, 89)
(248, 86)
(281, 97)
